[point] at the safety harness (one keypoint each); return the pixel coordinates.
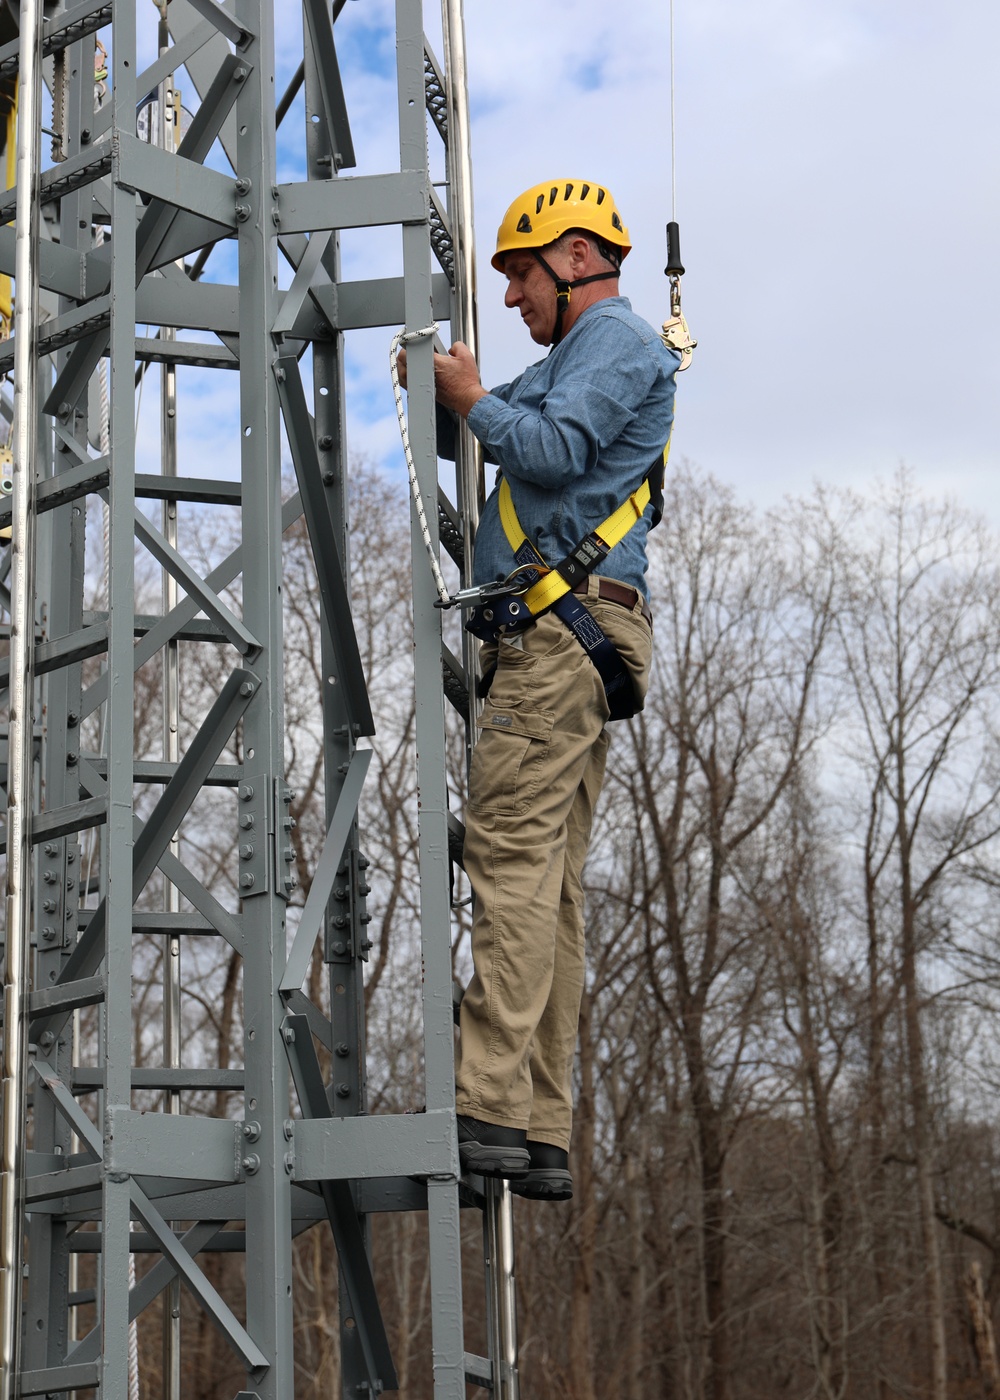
(552, 588)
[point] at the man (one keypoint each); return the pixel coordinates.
(574, 436)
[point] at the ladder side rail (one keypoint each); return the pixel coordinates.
(58, 869)
(498, 1210)
(268, 1186)
(117, 849)
(435, 913)
(16, 973)
(344, 942)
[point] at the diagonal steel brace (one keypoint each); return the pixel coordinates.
(326, 556)
(164, 820)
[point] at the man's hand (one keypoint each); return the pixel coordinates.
(456, 378)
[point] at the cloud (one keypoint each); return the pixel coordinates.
(836, 192)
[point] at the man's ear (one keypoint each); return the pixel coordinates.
(580, 250)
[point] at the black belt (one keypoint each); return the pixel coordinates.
(611, 592)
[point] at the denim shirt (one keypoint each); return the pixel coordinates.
(574, 435)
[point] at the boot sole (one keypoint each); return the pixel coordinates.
(544, 1184)
(493, 1161)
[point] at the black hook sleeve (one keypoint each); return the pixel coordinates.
(674, 264)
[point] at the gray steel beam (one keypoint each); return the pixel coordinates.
(355, 1149)
(352, 1253)
(268, 1190)
(326, 555)
(144, 1166)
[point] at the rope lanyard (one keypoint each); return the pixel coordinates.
(399, 339)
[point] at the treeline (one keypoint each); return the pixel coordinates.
(785, 1151)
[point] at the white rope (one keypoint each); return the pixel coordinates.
(403, 338)
(133, 1339)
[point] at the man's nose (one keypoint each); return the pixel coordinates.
(512, 296)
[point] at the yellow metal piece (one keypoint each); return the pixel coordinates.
(545, 212)
(6, 299)
(6, 484)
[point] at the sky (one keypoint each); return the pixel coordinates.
(839, 202)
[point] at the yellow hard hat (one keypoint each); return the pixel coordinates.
(547, 211)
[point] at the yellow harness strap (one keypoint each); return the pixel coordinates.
(553, 586)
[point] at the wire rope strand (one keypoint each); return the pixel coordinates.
(673, 125)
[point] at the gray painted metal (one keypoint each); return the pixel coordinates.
(20, 777)
(94, 856)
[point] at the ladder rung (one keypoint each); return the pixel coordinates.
(64, 821)
(453, 677)
(56, 1380)
(68, 996)
(450, 530)
(74, 1181)
(88, 1078)
(478, 1370)
(456, 839)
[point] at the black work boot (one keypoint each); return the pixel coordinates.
(548, 1177)
(491, 1150)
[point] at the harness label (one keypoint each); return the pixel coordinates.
(503, 721)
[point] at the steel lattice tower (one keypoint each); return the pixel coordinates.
(111, 237)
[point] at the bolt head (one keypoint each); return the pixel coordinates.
(246, 881)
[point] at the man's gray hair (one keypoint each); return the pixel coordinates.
(603, 250)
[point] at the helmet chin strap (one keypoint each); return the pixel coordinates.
(564, 290)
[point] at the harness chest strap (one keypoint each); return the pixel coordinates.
(561, 579)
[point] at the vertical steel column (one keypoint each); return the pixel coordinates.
(167, 116)
(498, 1210)
(268, 1189)
(117, 849)
(435, 912)
(61, 537)
(22, 698)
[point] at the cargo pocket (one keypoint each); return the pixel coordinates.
(508, 762)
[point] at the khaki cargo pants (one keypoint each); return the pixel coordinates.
(537, 771)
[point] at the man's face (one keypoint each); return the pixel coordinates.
(533, 292)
